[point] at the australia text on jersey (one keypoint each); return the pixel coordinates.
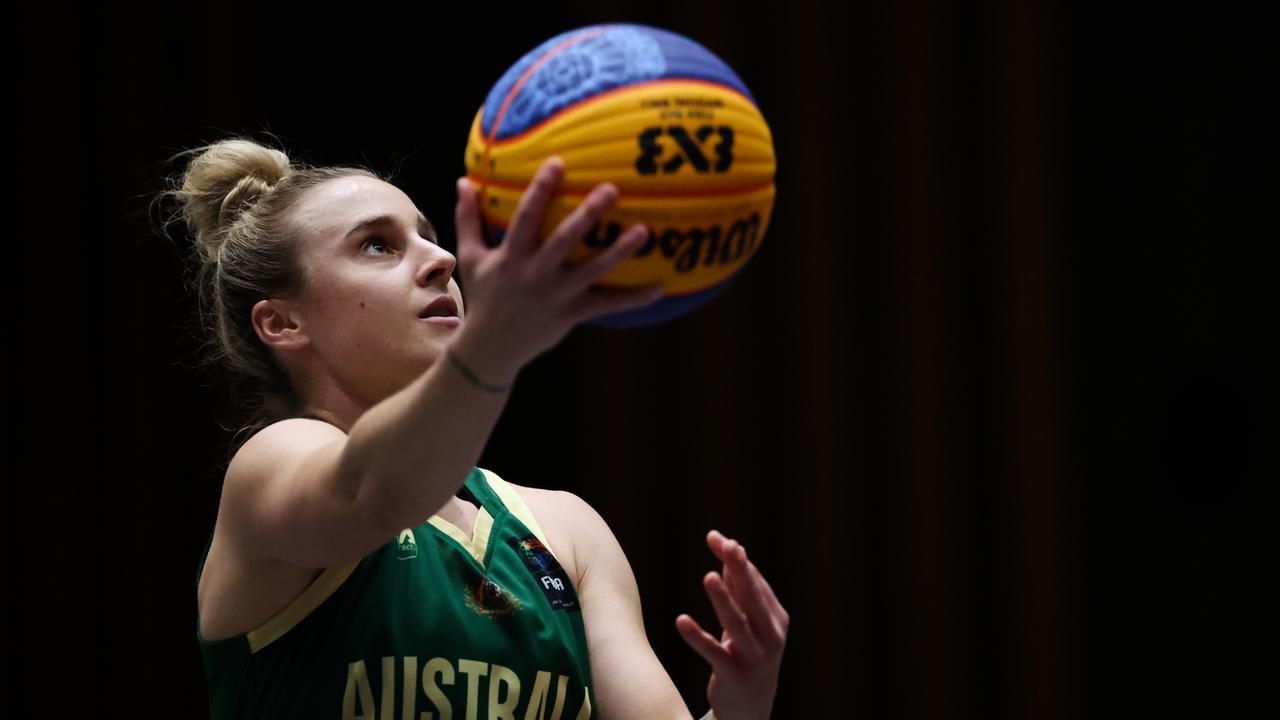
(506, 701)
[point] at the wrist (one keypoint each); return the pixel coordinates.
(480, 365)
(471, 376)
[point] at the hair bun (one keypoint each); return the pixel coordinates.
(222, 181)
(242, 196)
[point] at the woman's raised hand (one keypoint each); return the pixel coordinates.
(745, 661)
(522, 295)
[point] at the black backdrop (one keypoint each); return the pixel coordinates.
(991, 408)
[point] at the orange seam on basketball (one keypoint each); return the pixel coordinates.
(515, 89)
(630, 193)
(666, 296)
(502, 111)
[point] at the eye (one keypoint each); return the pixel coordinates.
(374, 240)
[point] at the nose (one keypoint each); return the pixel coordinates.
(437, 266)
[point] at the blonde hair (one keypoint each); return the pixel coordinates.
(234, 196)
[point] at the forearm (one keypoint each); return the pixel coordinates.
(413, 450)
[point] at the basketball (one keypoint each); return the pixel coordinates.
(659, 116)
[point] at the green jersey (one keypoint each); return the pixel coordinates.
(432, 625)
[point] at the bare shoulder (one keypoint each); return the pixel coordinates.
(560, 506)
(551, 500)
(566, 519)
(263, 453)
(240, 587)
(289, 432)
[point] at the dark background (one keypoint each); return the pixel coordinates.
(992, 408)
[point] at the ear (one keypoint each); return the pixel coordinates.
(276, 323)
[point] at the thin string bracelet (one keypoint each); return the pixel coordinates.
(472, 376)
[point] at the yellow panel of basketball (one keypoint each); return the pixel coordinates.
(600, 141)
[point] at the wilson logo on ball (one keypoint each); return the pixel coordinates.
(691, 247)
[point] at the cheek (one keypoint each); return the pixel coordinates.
(456, 292)
(353, 323)
(361, 337)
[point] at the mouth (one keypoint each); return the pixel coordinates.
(441, 307)
(446, 320)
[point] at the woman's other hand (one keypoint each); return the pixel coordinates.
(746, 659)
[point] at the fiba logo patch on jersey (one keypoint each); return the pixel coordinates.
(552, 578)
(406, 545)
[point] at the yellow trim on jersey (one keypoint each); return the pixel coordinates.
(317, 592)
(479, 540)
(517, 506)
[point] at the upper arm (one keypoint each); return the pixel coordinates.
(629, 680)
(285, 498)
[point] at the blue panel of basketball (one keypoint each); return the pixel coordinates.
(660, 311)
(624, 55)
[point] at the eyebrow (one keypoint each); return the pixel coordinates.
(424, 225)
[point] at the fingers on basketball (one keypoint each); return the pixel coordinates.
(583, 275)
(522, 237)
(574, 227)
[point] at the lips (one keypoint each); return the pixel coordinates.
(443, 306)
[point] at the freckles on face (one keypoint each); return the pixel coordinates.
(343, 315)
(366, 345)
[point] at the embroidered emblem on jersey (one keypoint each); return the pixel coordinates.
(552, 578)
(406, 545)
(488, 598)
